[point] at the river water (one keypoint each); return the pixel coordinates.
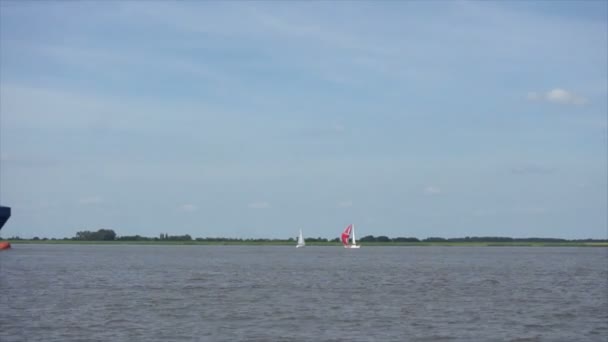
(271, 293)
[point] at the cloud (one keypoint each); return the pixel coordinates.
(345, 204)
(259, 205)
(92, 200)
(341, 48)
(432, 190)
(559, 96)
(188, 208)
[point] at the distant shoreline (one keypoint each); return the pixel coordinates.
(334, 244)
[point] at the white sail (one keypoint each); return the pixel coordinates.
(354, 242)
(301, 242)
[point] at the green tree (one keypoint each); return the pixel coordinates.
(383, 239)
(100, 235)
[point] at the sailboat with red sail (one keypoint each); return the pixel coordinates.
(348, 237)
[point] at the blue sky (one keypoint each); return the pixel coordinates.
(256, 119)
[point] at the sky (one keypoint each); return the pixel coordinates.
(257, 119)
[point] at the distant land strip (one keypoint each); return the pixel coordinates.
(109, 236)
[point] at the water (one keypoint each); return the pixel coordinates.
(269, 293)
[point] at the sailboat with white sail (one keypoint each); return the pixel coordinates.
(349, 234)
(301, 242)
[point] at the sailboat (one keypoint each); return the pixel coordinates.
(301, 242)
(347, 234)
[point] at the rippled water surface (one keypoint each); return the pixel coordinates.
(269, 293)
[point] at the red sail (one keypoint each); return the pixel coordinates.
(346, 234)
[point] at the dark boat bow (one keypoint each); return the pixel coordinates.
(5, 213)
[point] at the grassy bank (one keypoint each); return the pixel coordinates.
(288, 243)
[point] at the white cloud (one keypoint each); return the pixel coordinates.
(562, 96)
(188, 208)
(91, 200)
(58, 108)
(345, 204)
(53, 108)
(558, 95)
(432, 190)
(259, 205)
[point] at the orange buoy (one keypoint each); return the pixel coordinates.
(5, 245)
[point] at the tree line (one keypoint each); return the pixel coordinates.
(110, 235)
